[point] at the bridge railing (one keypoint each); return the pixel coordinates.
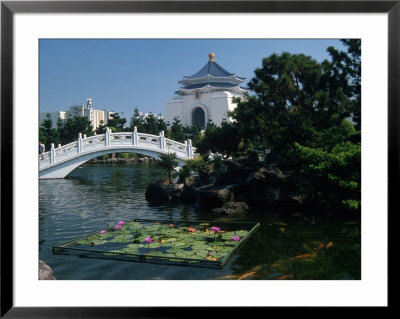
(111, 140)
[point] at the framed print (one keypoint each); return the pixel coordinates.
(196, 154)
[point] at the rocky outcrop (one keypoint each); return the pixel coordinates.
(45, 272)
(212, 196)
(232, 208)
(265, 186)
(189, 189)
(234, 188)
(162, 190)
(270, 186)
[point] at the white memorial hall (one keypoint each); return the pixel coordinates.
(205, 96)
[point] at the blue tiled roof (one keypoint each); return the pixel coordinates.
(213, 69)
(211, 84)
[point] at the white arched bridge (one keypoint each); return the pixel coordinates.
(60, 161)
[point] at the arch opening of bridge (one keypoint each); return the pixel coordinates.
(59, 162)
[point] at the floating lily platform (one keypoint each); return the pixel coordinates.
(187, 243)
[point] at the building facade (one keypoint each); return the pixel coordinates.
(205, 96)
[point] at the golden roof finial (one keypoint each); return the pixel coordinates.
(211, 56)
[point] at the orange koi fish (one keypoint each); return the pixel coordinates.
(302, 256)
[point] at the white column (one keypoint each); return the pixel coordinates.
(107, 137)
(79, 143)
(52, 154)
(162, 140)
(135, 136)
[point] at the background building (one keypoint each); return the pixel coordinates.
(206, 95)
(95, 116)
(54, 116)
(142, 116)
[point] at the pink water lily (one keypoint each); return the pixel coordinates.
(103, 232)
(235, 238)
(148, 240)
(216, 229)
(121, 222)
(117, 226)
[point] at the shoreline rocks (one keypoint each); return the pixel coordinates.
(162, 190)
(116, 160)
(212, 196)
(234, 189)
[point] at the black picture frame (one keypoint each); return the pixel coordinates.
(9, 8)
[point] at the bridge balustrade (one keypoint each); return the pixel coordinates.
(116, 140)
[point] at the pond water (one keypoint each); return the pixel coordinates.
(288, 245)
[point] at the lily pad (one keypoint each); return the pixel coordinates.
(152, 245)
(184, 253)
(134, 225)
(217, 254)
(122, 239)
(97, 242)
(180, 244)
(201, 253)
(169, 240)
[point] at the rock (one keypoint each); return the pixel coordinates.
(232, 208)
(265, 186)
(213, 196)
(156, 191)
(299, 199)
(163, 190)
(189, 190)
(191, 181)
(174, 191)
(45, 272)
(272, 174)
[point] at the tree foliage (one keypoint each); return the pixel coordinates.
(47, 134)
(70, 128)
(334, 175)
(168, 162)
(101, 129)
(307, 115)
(150, 124)
(117, 122)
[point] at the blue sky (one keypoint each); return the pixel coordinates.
(119, 74)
